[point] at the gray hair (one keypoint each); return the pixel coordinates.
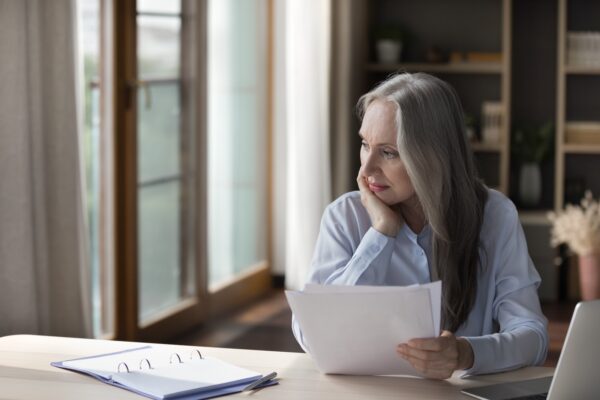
(432, 144)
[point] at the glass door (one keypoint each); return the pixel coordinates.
(238, 150)
(192, 144)
(159, 286)
(238, 143)
(165, 163)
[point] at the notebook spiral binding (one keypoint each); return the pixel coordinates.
(194, 353)
(176, 355)
(147, 362)
(197, 352)
(122, 364)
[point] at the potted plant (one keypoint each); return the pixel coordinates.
(531, 145)
(389, 40)
(578, 226)
(470, 127)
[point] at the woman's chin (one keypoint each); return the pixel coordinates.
(386, 198)
(392, 199)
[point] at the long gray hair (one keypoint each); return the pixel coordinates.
(432, 144)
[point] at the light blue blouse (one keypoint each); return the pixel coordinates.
(506, 327)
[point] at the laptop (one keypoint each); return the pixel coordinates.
(577, 374)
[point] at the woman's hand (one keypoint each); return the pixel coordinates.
(438, 358)
(385, 219)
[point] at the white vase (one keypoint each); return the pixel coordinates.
(530, 184)
(388, 51)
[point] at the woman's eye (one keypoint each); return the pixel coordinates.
(389, 154)
(364, 145)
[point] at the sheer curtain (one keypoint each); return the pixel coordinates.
(319, 54)
(44, 283)
(307, 163)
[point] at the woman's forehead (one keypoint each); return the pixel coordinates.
(379, 122)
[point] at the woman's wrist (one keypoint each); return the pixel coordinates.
(387, 227)
(386, 230)
(465, 354)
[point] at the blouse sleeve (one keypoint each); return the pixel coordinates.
(342, 256)
(522, 338)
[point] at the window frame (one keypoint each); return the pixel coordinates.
(204, 305)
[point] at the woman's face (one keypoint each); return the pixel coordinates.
(380, 162)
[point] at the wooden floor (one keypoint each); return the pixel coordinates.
(266, 326)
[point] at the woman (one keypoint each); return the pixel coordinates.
(421, 215)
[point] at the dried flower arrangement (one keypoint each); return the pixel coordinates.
(578, 226)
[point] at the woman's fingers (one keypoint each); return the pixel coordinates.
(384, 218)
(434, 357)
(430, 372)
(431, 344)
(363, 186)
(425, 355)
(446, 353)
(438, 368)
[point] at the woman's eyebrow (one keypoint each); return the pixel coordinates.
(384, 145)
(378, 144)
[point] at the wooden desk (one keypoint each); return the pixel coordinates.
(25, 373)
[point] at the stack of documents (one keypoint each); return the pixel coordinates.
(356, 329)
(159, 373)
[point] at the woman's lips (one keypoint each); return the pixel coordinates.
(377, 188)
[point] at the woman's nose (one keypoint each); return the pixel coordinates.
(369, 164)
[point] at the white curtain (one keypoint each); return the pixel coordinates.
(307, 162)
(44, 283)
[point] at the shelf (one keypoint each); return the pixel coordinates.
(582, 70)
(478, 67)
(534, 217)
(581, 148)
(482, 147)
(450, 68)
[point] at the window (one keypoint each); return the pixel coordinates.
(176, 155)
(237, 138)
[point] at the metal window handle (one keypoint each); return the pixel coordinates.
(137, 84)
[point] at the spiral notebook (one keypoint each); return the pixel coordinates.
(159, 373)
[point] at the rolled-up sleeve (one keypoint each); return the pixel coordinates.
(522, 336)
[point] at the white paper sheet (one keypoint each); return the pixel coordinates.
(435, 294)
(356, 329)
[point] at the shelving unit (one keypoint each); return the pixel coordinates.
(576, 90)
(539, 218)
(569, 148)
(534, 83)
(572, 151)
(491, 81)
(581, 69)
(475, 82)
(450, 68)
